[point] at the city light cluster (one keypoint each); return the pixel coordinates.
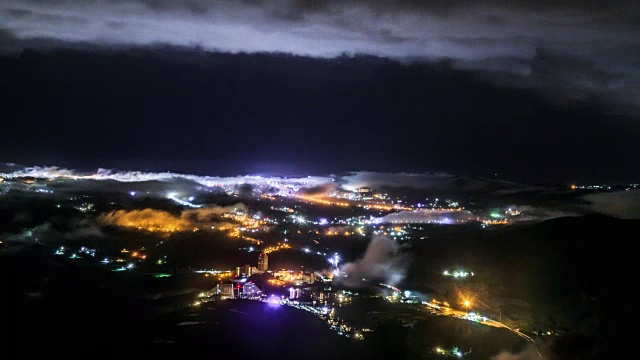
(321, 200)
(454, 352)
(458, 273)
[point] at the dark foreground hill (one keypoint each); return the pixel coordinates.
(572, 276)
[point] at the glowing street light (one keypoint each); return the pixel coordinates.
(467, 305)
(466, 299)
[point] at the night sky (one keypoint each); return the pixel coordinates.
(535, 91)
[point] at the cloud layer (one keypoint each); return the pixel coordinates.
(622, 204)
(74, 230)
(578, 49)
(309, 185)
(54, 172)
(163, 221)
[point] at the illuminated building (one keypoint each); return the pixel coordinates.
(263, 262)
(238, 271)
(308, 278)
(237, 289)
(321, 297)
(365, 193)
(247, 270)
(225, 291)
(281, 274)
(251, 291)
(297, 278)
(295, 293)
(512, 212)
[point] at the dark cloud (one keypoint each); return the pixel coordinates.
(433, 181)
(22, 217)
(195, 112)
(323, 189)
(244, 190)
(551, 70)
(592, 42)
(72, 230)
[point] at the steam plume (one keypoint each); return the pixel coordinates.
(382, 260)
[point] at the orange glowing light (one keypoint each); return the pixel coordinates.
(153, 220)
(279, 246)
(466, 299)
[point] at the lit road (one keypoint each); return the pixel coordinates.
(488, 322)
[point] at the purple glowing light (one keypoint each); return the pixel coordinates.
(273, 301)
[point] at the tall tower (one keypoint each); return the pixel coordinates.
(263, 262)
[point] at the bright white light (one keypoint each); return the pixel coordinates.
(173, 196)
(407, 293)
(323, 221)
(191, 198)
(132, 193)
